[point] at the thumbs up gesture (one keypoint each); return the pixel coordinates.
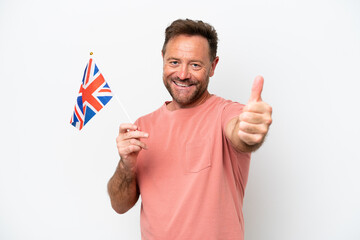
(255, 119)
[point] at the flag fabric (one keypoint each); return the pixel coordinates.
(93, 95)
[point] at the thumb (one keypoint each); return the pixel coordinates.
(256, 89)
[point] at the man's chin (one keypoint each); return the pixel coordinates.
(186, 100)
(182, 102)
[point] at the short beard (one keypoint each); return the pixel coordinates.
(196, 95)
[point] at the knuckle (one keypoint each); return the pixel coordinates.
(126, 150)
(264, 130)
(133, 141)
(127, 135)
(258, 138)
(123, 126)
(134, 148)
(243, 116)
(124, 135)
(132, 134)
(242, 126)
(122, 151)
(250, 107)
(249, 116)
(255, 138)
(119, 143)
(242, 135)
(120, 137)
(249, 139)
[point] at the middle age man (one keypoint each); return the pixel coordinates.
(189, 160)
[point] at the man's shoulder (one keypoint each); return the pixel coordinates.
(220, 101)
(228, 109)
(151, 115)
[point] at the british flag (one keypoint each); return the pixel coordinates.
(94, 94)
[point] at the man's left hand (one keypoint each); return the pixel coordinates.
(255, 119)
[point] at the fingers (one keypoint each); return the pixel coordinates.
(128, 141)
(258, 107)
(256, 89)
(128, 130)
(125, 127)
(250, 139)
(133, 134)
(253, 128)
(252, 133)
(127, 150)
(134, 142)
(251, 117)
(130, 146)
(259, 112)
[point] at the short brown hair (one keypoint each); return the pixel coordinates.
(191, 27)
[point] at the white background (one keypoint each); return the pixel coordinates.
(304, 181)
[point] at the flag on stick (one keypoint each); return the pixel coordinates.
(93, 95)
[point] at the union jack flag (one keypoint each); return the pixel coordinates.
(94, 94)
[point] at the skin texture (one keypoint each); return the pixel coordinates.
(186, 71)
(187, 68)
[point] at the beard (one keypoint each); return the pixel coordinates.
(185, 98)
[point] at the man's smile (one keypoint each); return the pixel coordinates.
(182, 84)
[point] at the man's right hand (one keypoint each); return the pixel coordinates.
(129, 144)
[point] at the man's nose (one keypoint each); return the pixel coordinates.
(184, 73)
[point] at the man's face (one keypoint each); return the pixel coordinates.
(187, 69)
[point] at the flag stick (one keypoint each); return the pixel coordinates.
(118, 100)
(123, 108)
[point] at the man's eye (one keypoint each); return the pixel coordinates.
(174, 62)
(195, 65)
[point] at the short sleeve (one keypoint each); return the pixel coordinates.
(230, 110)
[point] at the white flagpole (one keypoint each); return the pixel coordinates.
(122, 107)
(118, 100)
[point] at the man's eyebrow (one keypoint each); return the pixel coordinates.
(172, 58)
(178, 59)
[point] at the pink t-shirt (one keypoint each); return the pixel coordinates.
(191, 179)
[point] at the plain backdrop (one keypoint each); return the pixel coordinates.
(303, 182)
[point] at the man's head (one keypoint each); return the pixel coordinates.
(192, 28)
(189, 62)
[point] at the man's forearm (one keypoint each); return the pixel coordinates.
(122, 188)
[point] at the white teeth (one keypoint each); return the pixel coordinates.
(181, 85)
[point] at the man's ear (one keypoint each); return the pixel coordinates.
(213, 66)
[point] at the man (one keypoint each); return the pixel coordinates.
(190, 159)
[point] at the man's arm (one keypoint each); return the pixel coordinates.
(247, 131)
(122, 187)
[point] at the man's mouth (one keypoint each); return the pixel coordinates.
(182, 84)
